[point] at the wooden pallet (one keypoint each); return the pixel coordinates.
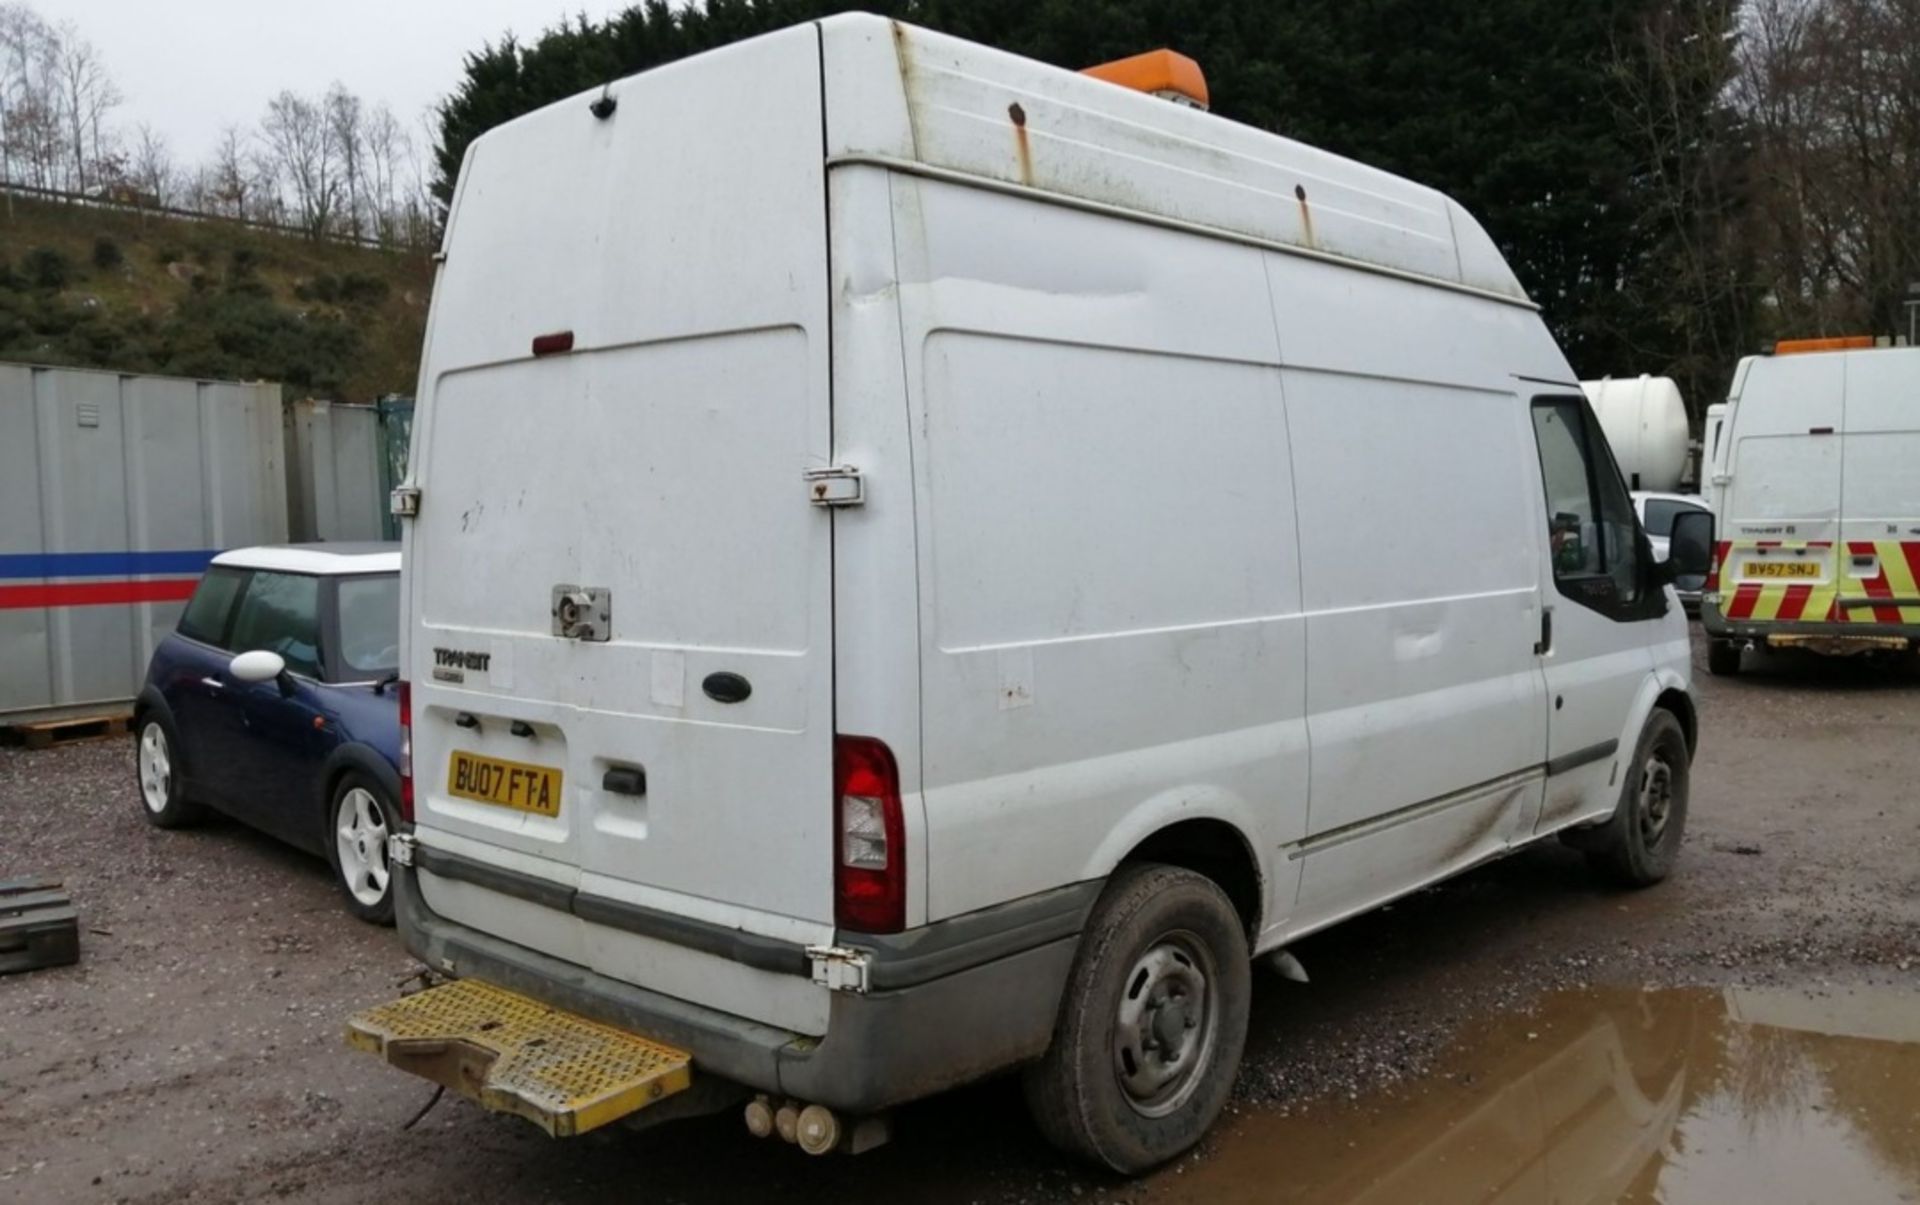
(38, 926)
(39, 734)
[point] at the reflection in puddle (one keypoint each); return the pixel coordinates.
(1751, 1096)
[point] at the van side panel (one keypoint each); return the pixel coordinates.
(1880, 489)
(1419, 508)
(1110, 622)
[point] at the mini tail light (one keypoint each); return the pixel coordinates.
(869, 838)
(406, 752)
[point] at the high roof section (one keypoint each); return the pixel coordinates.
(924, 101)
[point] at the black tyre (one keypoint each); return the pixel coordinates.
(1151, 1025)
(157, 771)
(1723, 658)
(360, 817)
(1638, 847)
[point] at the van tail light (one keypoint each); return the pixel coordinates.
(869, 838)
(406, 752)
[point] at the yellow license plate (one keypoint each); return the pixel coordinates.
(507, 784)
(1781, 569)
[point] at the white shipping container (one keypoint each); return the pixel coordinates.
(115, 490)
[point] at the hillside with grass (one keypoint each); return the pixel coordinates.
(142, 292)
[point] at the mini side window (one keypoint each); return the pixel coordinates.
(1593, 537)
(205, 618)
(281, 614)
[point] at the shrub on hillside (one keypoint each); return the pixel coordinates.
(168, 254)
(106, 253)
(321, 287)
(363, 288)
(46, 268)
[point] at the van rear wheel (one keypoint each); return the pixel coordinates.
(1723, 658)
(1151, 1025)
(1638, 847)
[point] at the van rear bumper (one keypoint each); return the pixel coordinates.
(981, 1011)
(1815, 635)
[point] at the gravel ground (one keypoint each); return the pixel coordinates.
(196, 1052)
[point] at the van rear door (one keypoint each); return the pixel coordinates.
(1782, 516)
(1880, 489)
(625, 379)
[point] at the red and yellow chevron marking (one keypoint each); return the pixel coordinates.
(1779, 601)
(1898, 577)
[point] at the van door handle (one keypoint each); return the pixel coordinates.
(1544, 645)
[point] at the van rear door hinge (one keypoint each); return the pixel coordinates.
(839, 969)
(835, 485)
(400, 848)
(404, 501)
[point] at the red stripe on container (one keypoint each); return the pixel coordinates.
(95, 594)
(1795, 602)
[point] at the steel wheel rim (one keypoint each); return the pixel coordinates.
(156, 769)
(1166, 1024)
(360, 837)
(1655, 804)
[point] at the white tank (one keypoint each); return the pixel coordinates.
(1646, 424)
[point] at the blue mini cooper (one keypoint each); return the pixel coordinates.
(274, 701)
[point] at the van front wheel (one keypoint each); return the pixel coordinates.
(1151, 1025)
(1638, 847)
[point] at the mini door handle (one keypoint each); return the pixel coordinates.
(215, 683)
(625, 780)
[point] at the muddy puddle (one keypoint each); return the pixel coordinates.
(1751, 1096)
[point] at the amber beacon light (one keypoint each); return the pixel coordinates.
(1165, 73)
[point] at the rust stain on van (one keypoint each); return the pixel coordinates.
(1019, 117)
(1306, 215)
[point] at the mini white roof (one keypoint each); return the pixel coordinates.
(323, 559)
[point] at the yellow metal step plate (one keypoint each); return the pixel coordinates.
(563, 1073)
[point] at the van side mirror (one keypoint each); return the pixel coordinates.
(262, 665)
(1690, 546)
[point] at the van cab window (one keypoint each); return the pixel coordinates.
(1594, 539)
(280, 612)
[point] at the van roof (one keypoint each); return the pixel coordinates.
(922, 100)
(929, 104)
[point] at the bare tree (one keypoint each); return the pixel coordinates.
(346, 139)
(29, 107)
(300, 149)
(386, 149)
(87, 93)
(151, 167)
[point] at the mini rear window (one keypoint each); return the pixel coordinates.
(205, 618)
(369, 610)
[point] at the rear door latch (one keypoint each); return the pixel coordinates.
(835, 485)
(839, 969)
(583, 612)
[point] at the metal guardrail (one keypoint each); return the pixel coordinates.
(196, 215)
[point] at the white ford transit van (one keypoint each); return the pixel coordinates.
(1816, 483)
(924, 563)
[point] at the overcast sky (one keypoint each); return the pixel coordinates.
(191, 67)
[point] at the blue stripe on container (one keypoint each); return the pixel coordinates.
(103, 564)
